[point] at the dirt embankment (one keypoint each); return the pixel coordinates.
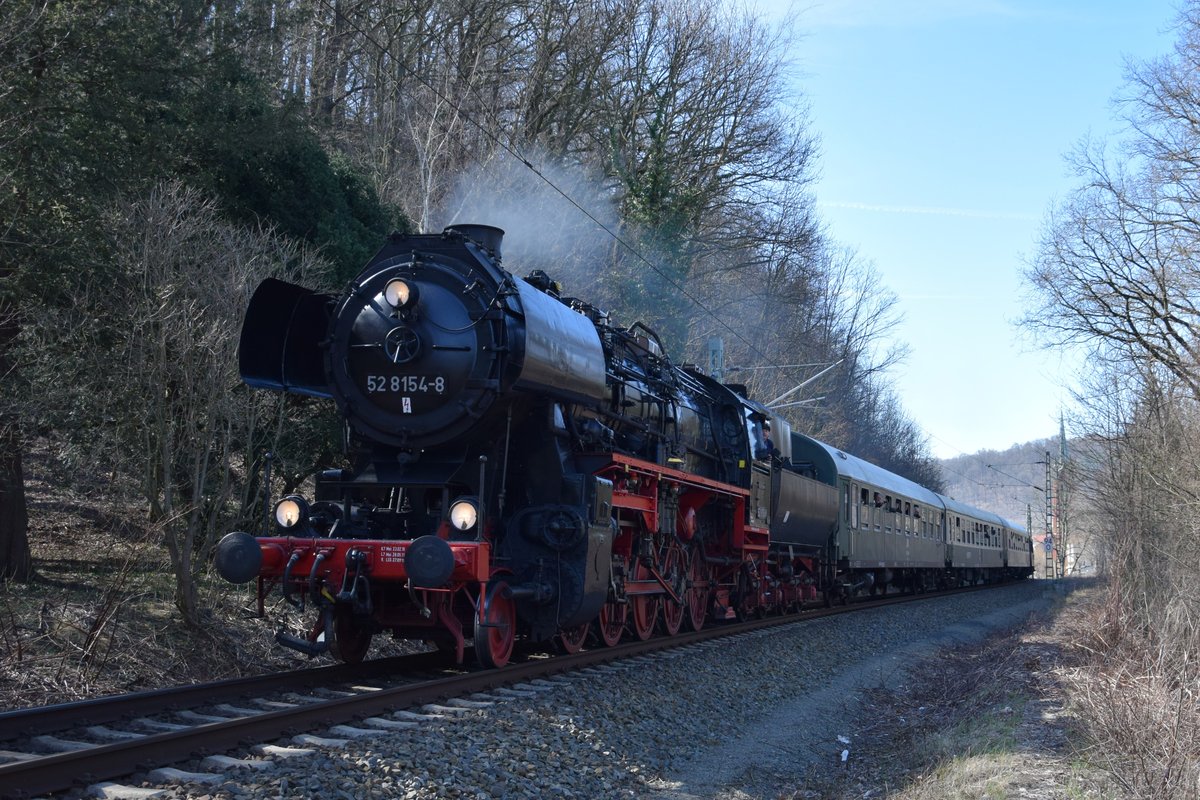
(971, 711)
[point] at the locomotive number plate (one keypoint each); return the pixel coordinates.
(409, 384)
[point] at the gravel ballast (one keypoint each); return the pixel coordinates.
(752, 710)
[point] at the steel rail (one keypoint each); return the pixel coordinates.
(62, 771)
(21, 722)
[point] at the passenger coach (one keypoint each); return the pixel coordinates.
(894, 532)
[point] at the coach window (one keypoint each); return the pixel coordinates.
(864, 496)
(854, 510)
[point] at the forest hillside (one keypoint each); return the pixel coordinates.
(1009, 482)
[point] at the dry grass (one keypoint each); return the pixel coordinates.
(1139, 702)
(980, 721)
(100, 616)
(1081, 706)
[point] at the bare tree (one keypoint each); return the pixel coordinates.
(141, 372)
(1117, 273)
(1117, 267)
(18, 57)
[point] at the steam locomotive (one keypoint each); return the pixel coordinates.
(524, 469)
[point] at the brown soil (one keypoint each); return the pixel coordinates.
(99, 618)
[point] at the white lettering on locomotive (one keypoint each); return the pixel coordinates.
(406, 383)
(392, 553)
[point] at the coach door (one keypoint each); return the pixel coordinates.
(856, 510)
(944, 534)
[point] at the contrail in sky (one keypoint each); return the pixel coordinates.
(935, 210)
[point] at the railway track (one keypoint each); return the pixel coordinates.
(57, 748)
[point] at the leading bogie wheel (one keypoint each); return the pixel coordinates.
(349, 640)
(495, 626)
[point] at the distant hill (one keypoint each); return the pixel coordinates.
(1007, 487)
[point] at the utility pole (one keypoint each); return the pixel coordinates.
(1049, 543)
(1063, 511)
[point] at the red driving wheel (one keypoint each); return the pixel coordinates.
(673, 572)
(645, 606)
(696, 594)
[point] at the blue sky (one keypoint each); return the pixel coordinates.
(943, 127)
